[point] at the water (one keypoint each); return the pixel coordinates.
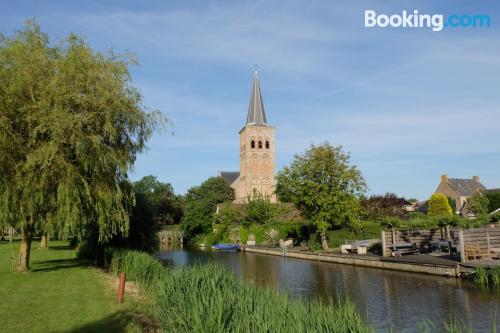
(387, 298)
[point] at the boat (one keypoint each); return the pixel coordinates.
(226, 247)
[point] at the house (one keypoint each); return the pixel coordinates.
(460, 190)
(257, 152)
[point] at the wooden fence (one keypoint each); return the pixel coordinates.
(421, 238)
(487, 238)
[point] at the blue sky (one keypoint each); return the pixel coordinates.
(409, 104)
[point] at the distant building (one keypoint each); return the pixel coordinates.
(460, 190)
(257, 152)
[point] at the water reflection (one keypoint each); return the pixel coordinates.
(388, 298)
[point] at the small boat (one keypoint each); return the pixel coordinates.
(226, 247)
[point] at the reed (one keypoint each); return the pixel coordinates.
(481, 276)
(495, 276)
(209, 298)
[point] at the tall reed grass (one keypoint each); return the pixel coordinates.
(484, 277)
(209, 298)
(481, 276)
(495, 276)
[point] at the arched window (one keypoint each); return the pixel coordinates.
(260, 144)
(252, 144)
(267, 144)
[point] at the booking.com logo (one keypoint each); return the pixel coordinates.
(437, 22)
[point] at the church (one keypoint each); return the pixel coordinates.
(257, 152)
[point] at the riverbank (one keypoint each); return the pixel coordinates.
(426, 265)
(60, 294)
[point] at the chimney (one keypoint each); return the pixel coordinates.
(475, 178)
(444, 178)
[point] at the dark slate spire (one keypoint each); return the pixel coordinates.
(256, 114)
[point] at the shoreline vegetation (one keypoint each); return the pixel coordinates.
(209, 298)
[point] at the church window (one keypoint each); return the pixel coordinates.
(267, 144)
(252, 144)
(260, 144)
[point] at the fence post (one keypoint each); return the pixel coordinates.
(384, 254)
(121, 288)
(488, 241)
(462, 245)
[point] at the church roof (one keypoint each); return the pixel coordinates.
(229, 176)
(256, 113)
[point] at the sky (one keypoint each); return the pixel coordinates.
(408, 104)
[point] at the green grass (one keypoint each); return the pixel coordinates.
(60, 294)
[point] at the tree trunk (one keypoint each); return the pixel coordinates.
(324, 242)
(44, 242)
(23, 263)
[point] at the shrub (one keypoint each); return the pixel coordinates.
(272, 235)
(259, 209)
(314, 244)
(244, 237)
(259, 233)
(438, 205)
(478, 204)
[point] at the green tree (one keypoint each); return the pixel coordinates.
(493, 199)
(478, 204)
(439, 205)
(71, 125)
(324, 186)
(227, 215)
(201, 203)
(259, 209)
(155, 202)
(167, 207)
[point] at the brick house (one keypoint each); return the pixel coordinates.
(459, 190)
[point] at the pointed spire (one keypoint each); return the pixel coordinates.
(256, 114)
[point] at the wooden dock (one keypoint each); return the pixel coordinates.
(424, 264)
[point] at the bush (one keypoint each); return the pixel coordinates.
(439, 205)
(314, 244)
(259, 233)
(259, 209)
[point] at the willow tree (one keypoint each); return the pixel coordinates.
(324, 186)
(71, 125)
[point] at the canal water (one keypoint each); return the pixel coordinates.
(394, 299)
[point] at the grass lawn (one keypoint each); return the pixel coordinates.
(60, 294)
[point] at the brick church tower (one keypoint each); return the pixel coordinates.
(257, 152)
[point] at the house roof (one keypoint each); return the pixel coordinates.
(256, 114)
(465, 187)
(229, 176)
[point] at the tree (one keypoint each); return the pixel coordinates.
(439, 205)
(324, 186)
(71, 125)
(167, 207)
(201, 203)
(259, 209)
(378, 206)
(155, 202)
(493, 197)
(478, 204)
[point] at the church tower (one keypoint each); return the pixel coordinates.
(257, 151)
